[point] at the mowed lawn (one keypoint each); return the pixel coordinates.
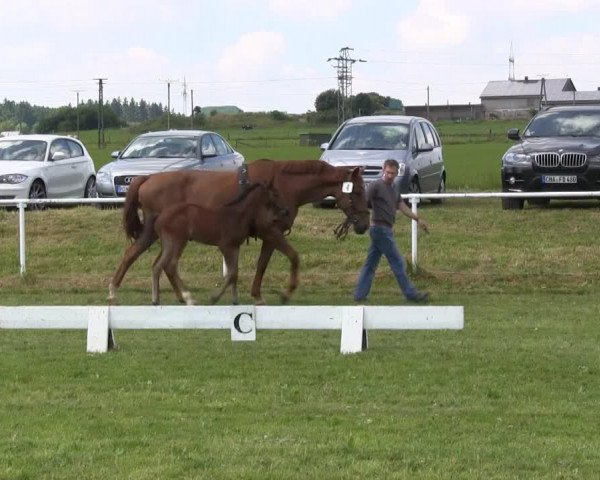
(513, 395)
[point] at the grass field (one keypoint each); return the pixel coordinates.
(513, 395)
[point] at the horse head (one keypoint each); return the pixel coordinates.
(352, 200)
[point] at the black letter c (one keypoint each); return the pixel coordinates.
(236, 322)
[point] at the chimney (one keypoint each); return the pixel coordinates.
(526, 78)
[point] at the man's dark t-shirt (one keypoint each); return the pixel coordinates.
(383, 200)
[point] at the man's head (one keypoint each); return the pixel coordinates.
(390, 171)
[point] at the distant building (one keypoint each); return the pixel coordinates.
(222, 110)
(437, 113)
(519, 98)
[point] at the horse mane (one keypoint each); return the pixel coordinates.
(302, 167)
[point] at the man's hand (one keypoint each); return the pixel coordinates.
(423, 225)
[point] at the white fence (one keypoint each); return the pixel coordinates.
(414, 198)
(242, 320)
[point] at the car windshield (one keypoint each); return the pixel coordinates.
(161, 147)
(565, 123)
(372, 136)
(22, 150)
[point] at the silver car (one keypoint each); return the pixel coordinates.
(164, 152)
(369, 141)
(45, 166)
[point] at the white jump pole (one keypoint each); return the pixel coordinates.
(414, 231)
(22, 258)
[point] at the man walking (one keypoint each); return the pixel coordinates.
(384, 200)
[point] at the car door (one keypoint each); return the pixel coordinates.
(58, 172)
(421, 159)
(436, 160)
(210, 160)
(225, 153)
(79, 169)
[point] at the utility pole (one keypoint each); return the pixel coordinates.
(192, 110)
(427, 101)
(101, 143)
(168, 82)
(77, 110)
(543, 98)
(344, 76)
(184, 95)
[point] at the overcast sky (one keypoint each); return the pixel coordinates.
(263, 55)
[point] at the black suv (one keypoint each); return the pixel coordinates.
(559, 151)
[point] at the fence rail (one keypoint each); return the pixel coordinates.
(242, 320)
(414, 199)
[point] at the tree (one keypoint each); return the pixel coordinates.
(327, 100)
(363, 104)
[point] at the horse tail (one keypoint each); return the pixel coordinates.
(131, 220)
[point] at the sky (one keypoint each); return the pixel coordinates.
(263, 55)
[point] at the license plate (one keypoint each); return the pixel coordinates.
(559, 178)
(122, 188)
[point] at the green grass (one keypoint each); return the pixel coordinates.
(513, 395)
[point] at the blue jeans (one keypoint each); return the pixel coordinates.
(383, 243)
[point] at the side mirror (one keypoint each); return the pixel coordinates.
(115, 154)
(426, 147)
(513, 134)
(59, 156)
(324, 146)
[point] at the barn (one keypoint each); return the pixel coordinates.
(520, 98)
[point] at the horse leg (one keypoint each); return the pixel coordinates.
(170, 268)
(281, 244)
(143, 243)
(157, 268)
(230, 256)
(266, 251)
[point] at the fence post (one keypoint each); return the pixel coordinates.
(22, 258)
(414, 230)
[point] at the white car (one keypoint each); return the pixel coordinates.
(45, 166)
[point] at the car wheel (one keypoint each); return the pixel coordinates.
(90, 188)
(413, 187)
(37, 190)
(512, 203)
(441, 189)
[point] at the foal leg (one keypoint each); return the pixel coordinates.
(266, 251)
(280, 243)
(230, 254)
(157, 268)
(146, 239)
(170, 268)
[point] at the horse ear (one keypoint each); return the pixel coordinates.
(356, 171)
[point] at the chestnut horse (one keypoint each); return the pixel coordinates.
(298, 182)
(255, 212)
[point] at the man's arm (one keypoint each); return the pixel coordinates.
(405, 209)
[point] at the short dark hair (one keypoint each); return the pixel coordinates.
(390, 162)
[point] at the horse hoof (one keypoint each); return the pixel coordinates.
(260, 301)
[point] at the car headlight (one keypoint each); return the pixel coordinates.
(103, 176)
(13, 178)
(514, 158)
(401, 169)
